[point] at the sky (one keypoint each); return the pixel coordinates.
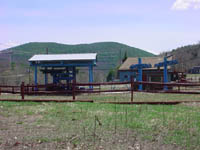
(152, 25)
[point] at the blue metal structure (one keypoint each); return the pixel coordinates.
(195, 70)
(140, 66)
(35, 74)
(62, 69)
(46, 77)
(90, 75)
(126, 75)
(164, 64)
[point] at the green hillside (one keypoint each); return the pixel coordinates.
(187, 56)
(109, 54)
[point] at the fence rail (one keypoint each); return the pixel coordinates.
(77, 88)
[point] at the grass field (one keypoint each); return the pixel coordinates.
(193, 75)
(100, 126)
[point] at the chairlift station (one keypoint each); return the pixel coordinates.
(62, 66)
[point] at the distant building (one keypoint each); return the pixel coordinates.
(153, 74)
(195, 70)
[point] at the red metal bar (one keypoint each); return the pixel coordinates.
(168, 84)
(111, 83)
(45, 100)
(104, 83)
(78, 91)
(104, 91)
(41, 86)
(47, 92)
(6, 91)
(150, 103)
(170, 91)
(8, 86)
(75, 89)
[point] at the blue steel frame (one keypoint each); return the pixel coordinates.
(46, 77)
(164, 64)
(140, 66)
(88, 64)
(35, 75)
(91, 75)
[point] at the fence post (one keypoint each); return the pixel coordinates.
(22, 90)
(73, 89)
(132, 88)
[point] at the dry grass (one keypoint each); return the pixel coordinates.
(100, 126)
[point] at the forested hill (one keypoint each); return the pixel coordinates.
(187, 56)
(110, 54)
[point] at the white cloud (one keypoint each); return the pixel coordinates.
(8, 45)
(186, 4)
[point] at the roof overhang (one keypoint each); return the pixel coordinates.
(63, 57)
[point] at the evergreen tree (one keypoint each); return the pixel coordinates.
(111, 75)
(125, 57)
